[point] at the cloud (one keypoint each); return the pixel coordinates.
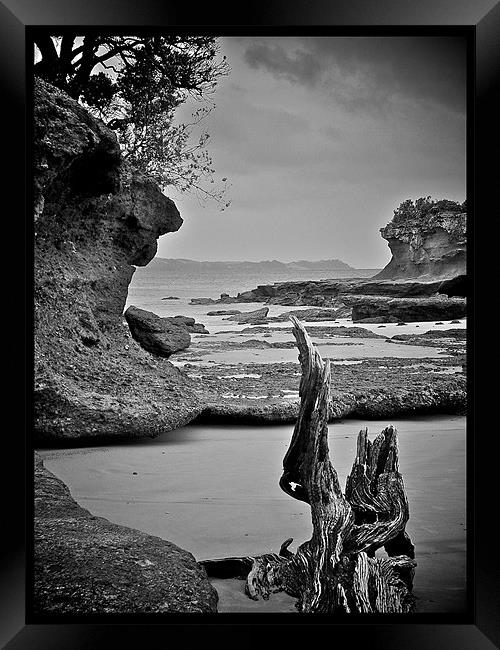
(299, 66)
(321, 139)
(368, 73)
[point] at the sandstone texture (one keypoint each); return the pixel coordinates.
(87, 565)
(96, 219)
(433, 246)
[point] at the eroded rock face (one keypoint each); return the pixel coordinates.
(434, 246)
(95, 219)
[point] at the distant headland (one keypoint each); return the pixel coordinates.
(264, 265)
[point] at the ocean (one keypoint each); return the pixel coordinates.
(158, 280)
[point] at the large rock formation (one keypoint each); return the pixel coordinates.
(96, 218)
(433, 246)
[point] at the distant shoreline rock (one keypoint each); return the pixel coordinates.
(426, 300)
(250, 316)
(374, 309)
(188, 323)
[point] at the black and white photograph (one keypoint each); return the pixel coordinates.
(250, 323)
(257, 324)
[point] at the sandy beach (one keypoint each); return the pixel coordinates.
(214, 491)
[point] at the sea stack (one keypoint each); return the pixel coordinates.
(429, 246)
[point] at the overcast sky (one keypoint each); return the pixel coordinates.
(321, 139)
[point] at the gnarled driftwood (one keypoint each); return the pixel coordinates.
(337, 570)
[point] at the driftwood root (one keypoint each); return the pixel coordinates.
(337, 570)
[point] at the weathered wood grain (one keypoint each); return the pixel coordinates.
(336, 571)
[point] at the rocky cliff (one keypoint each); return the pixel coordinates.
(429, 247)
(95, 220)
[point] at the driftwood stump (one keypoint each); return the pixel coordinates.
(336, 571)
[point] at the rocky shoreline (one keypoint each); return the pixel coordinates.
(361, 388)
(385, 300)
(94, 381)
(87, 565)
(101, 377)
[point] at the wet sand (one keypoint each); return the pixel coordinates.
(214, 490)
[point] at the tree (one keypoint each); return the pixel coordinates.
(135, 84)
(424, 206)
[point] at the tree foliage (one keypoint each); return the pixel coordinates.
(135, 84)
(425, 206)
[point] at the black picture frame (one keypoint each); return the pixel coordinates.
(482, 628)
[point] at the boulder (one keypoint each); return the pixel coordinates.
(224, 312)
(157, 335)
(250, 316)
(203, 301)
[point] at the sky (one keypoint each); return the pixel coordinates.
(321, 138)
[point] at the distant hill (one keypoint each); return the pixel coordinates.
(271, 265)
